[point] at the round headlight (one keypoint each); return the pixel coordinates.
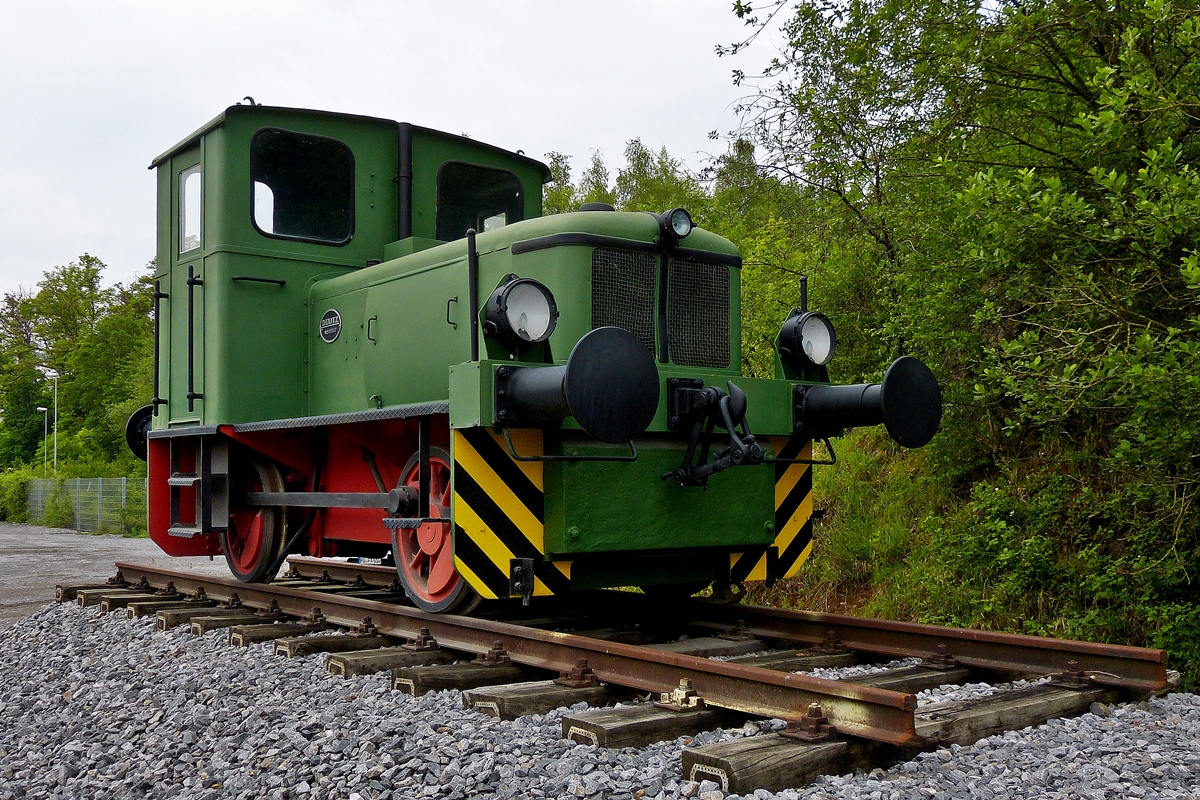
(522, 310)
(679, 222)
(807, 339)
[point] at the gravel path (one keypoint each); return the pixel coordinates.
(34, 559)
(100, 706)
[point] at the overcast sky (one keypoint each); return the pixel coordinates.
(92, 91)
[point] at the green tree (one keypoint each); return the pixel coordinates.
(69, 303)
(657, 182)
(1018, 187)
(593, 184)
(559, 195)
(99, 341)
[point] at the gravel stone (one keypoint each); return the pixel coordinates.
(101, 706)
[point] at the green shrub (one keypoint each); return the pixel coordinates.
(14, 494)
(59, 511)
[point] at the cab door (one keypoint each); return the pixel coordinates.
(185, 333)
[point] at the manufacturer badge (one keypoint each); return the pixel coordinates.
(331, 326)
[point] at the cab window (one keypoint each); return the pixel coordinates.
(190, 214)
(471, 196)
(302, 187)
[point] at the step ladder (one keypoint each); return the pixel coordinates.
(199, 485)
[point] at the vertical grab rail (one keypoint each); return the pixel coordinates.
(192, 394)
(157, 401)
(423, 479)
(473, 292)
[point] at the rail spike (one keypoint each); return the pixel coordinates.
(494, 657)
(682, 698)
(423, 643)
(812, 727)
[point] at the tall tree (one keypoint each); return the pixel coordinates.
(1020, 185)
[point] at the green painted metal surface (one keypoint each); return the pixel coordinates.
(432, 149)
(252, 342)
(597, 507)
(768, 402)
(417, 306)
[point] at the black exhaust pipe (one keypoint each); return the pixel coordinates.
(908, 403)
(609, 385)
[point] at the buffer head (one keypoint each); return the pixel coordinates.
(911, 402)
(611, 385)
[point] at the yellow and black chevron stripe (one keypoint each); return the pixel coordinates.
(499, 512)
(793, 520)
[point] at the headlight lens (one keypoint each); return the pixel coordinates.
(679, 222)
(807, 339)
(522, 310)
(818, 339)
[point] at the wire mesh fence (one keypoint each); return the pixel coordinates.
(96, 505)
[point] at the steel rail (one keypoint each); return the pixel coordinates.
(862, 711)
(1136, 668)
(347, 571)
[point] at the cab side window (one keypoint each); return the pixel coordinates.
(471, 196)
(302, 187)
(190, 213)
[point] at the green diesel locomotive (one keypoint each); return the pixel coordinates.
(369, 342)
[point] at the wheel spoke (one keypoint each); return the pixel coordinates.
(255, 534)
(442, 572)
(425, 556)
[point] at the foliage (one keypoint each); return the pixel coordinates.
(14, 493)
(98, 340)
(59, 511)
(1018, 185)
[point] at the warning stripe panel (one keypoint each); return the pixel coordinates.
(793, 510)
(499, 509)
(793, 519)
(526, 441)
(482, 478)
(527, 486)
(516, 543)
(480, 571)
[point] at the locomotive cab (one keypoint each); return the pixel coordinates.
(369, 342)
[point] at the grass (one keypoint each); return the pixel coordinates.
(880, 505)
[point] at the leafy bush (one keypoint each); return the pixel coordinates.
(59, 510)
(14, 494)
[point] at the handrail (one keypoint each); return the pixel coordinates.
(157, 401)
(192, 283)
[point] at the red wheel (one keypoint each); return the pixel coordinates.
(256, 533)
(425, 555)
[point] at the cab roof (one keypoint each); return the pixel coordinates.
(192, 139)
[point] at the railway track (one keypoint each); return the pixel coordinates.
(703, 665)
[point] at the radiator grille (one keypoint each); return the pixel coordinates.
(698, 314)
(623, 292)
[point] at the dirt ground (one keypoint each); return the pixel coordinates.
(34, 560)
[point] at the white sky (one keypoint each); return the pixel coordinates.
(90, 92)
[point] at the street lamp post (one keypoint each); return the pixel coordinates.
(53, 375)
(45, 417)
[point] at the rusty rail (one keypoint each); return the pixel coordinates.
(1136, 668)
(344, 571)
(863, 711)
